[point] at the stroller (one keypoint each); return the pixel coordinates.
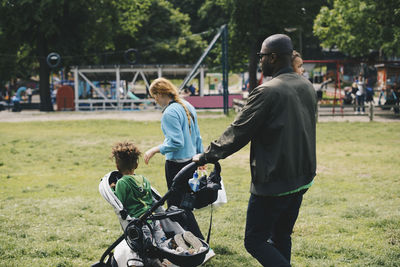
(135, 237)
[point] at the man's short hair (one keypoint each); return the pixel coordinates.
(279, 44)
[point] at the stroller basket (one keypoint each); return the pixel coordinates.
(186, 260)
(136, 241)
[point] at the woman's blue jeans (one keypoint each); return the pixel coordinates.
(360, 102)
(269, 225)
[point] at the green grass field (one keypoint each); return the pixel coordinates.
(51, 213)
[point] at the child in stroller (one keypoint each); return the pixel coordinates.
(145, 241)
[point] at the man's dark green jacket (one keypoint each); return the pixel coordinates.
(279, 120)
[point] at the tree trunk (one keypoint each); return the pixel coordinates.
(44, 74)
(253, 66)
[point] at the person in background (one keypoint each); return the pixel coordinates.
(397, 95)
(192, 89)
(348, 98)
(8, 97)
(53, 92)
(16, 103)
(381, 95)
(391, 98)
(360, 95)
(29, 94)
(297, 63)
(354, 87)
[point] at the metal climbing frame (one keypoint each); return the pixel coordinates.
(118, 73)
(222, 32)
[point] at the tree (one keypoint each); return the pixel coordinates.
(13, 57)
(356, 27)
(97, 32)
(165, 36)
(62, 26)
(253, 21)
(91, 32)
(191, 8)
(250, 22)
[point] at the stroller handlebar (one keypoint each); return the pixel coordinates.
(184, 173)
(188, 170)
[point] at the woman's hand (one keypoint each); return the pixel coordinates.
(150, 153)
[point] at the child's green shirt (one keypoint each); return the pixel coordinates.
(134, 191)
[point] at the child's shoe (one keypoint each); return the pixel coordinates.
(192, 240)
(180, 242)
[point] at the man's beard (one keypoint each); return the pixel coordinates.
(266, 69)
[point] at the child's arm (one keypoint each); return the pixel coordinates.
(122, 191)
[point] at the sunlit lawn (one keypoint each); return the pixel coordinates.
(51, 213)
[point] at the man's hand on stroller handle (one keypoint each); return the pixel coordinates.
(196, 158)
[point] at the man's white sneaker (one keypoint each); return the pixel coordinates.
(209, 255)
(167, 263)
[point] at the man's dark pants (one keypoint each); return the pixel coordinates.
(269, 225)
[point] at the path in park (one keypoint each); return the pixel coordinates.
(7, 116)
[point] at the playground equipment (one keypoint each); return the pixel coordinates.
(120, 98)
(223, 31)
(332, 80)
(19, 92)
(344, 72)
(53, 60)
(132, 72)
(65, 98)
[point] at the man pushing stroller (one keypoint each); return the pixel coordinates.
(134, 192)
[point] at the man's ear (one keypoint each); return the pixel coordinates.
(273, 57)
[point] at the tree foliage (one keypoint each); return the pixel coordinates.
(253, 21)
(67, 27)
(356, 27)
(165, 36)
(175, 31)
(250, 22)
(90, 32)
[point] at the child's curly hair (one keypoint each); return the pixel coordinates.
(126, 156)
